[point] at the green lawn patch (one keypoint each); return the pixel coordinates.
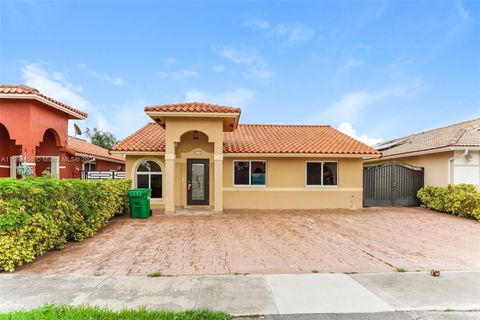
(52, 312)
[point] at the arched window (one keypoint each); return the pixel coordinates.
(149, 175)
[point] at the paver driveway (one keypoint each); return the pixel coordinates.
(366, 240)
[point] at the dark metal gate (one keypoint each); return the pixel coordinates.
(392, 185)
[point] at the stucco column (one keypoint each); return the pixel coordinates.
(218, 183)
(170, 183)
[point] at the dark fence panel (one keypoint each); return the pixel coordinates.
(392, 184)
(102, 175)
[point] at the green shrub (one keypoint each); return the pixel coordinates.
(462, 200)
(41, 214)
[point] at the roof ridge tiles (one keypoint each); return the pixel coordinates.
(192, 107)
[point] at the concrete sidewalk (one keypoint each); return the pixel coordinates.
(252, 294)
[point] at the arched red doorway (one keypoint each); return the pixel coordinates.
(47, 153)
(7, 150)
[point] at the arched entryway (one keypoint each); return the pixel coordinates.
(195, 154)
(7, 150)
(48, 154)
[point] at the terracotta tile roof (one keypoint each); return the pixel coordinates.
(459, 134)
(192, 107)
(260, 139)
(79, 147)
(149, 138)
(26, 90)
(264, 138)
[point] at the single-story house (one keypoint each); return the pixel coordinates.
(449, 155)
(34, 132)
(87, 156)
(197, 154)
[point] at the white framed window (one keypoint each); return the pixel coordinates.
(90, 166)
(250, 173)
(149, 176)
(321, 174)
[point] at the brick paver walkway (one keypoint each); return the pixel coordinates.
(367, 240)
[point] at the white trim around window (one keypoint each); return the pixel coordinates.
(320, 185)
(249, 185)
(149, 173)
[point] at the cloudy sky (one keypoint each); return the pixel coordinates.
(376, 70)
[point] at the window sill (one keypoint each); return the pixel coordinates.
(320, 186)
(249, 186)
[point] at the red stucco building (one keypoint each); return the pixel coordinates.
(34, 131)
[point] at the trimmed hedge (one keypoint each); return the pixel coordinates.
(41, 214)
(462, 200)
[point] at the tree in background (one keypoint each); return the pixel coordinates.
(101, 138)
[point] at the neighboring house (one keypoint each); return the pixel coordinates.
(197, 154)
(89, 157)
(34, 131)
(449, 154)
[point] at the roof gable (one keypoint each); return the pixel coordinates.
(8, 91)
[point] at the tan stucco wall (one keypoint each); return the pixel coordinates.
(286, 186)
(180, 146)
(131, 164)
(286, 176)
(435, 164)
(466, 167)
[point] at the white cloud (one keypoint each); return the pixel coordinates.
(116, 81)
(195, 96)
(259, 74)
(235, 97)
(347, 128)
(241, 55)
(291, 33)
(53, 85)
(121, 120)
(258, 24)
(101, 123)
(350, 64)
(124, 119)
(257, 67)
(353, 103)
(178, 75)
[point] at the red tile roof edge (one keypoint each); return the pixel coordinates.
(78, 149)
(26, 90)
(123, 146)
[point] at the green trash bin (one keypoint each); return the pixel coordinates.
(139, 203)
